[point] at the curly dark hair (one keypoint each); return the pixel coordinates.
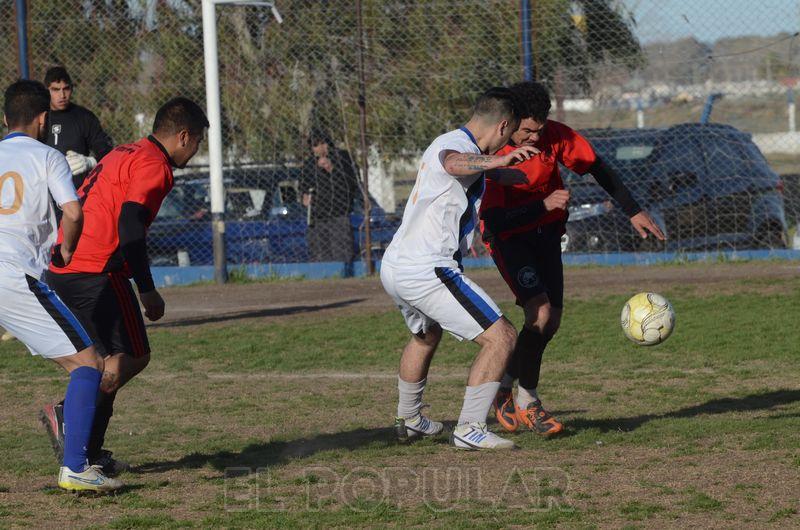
(534, 100)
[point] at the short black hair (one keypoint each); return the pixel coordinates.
(319, 136)
(55, 74)
(534, 100)
(497, 102)
(24, 101)
(178, 114)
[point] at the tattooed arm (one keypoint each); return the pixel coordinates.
(465, 164)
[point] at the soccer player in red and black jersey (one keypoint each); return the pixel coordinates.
(522, 225)
(120, 198)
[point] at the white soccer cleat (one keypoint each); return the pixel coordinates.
(419, 427)
(91, 479)
(476, 435)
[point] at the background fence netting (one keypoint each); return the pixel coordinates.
(637, 77)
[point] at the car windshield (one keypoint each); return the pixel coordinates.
(623, 153)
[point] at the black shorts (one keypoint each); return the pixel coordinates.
(108, 309)
(531, 264)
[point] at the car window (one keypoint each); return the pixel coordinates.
(185, 201)
(627, 153)
(726, 155)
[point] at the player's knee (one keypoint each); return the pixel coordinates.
(505, 336)
(545, 323)
(90, 358)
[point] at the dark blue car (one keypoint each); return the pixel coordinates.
(264, 220)
(707, 185)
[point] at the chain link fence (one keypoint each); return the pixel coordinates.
(637, 77)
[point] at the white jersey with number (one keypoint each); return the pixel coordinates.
(30, 172)
(442, 211)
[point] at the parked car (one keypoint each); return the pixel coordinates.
(265, 221)
(707, 185)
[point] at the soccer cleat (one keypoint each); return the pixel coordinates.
(537, 419)
(7, 336)
(505, 410)
(475, 436)
(111, 466)
(90, 479)
(419, 427)
(52, 417)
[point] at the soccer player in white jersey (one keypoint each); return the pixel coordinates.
(30, 172)
(422, 271)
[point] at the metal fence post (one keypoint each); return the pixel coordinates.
(362, 110)
(525, 28)
(22, 38)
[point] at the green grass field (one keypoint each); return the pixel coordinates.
(287, 425)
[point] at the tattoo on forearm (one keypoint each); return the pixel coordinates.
(472, 163)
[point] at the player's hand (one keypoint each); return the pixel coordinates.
(80, 164)
(557, 200)
(643, 223)
(153, 305)
(61, 257)
(66, 255)
(520, 154)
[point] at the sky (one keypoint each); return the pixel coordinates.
(709, 20)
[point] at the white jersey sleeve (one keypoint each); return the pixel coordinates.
(458, 144)
(59, 179)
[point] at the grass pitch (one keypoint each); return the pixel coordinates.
(287, 424)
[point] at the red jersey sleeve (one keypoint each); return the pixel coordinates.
(575, 151)
(151, 180)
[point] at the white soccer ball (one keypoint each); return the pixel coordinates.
(648, 319)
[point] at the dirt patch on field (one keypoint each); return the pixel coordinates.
(280, 300)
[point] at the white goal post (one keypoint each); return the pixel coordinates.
(211, 58)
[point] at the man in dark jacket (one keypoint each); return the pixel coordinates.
(329, 184)
(71, 129)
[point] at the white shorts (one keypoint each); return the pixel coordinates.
(35, 315)
(440, 295)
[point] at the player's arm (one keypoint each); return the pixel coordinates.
(133, 221)
(99, 143)
(98, 139)
(59, 183)
(507, 176)
(466, 164)
(150, 183)
(613, 185)
(71, 227)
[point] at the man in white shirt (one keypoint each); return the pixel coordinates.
(422, 271)
(30, 172)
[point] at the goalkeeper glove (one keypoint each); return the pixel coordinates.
(80, 164)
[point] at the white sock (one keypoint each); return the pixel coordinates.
(525, 396)
(507, 382)
(410, 398)
(477, 402)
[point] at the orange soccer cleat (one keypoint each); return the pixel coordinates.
(505, 410)
(537, 419)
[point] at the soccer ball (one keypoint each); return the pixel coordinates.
(648, 319)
